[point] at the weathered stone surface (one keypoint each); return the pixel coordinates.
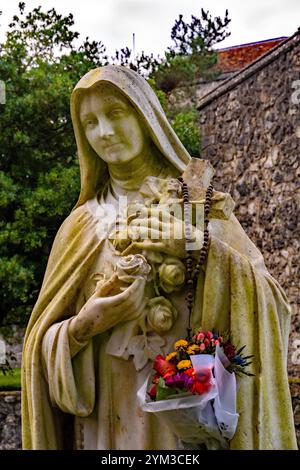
(250, 135)
(10, 417)
(295, 392)
(10, 420)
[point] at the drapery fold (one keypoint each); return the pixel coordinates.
(235, 293)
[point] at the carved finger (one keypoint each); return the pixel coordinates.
(113, 284)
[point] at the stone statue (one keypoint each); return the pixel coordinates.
(85, 354)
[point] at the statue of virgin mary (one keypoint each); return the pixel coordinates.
(79, 376)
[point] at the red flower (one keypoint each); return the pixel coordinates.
(229, 351)
(156, 378)
(152, 391)
(163, 367)
(190, 372)
(202, 381)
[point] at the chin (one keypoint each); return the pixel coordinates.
(119, 158)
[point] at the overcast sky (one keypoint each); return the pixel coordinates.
(114, 21)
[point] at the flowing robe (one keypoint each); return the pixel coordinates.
(234, 293)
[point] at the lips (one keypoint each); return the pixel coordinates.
(108, 146)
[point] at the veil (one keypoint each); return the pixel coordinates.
(135, 88)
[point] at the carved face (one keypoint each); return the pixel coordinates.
(111, 125)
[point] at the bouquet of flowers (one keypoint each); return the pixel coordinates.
(198, 380)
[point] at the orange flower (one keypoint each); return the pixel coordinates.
(171, 356)
(193, 349)
(185, 364)
(181, 343)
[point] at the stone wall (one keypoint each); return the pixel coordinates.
(10, 420)
(10, 417)
(250, 128)
(295, 393)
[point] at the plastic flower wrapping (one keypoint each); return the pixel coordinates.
(198, 381)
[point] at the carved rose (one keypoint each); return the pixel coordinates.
(161, 315)
(130, 267)
(171, 274)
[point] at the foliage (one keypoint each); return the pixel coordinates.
(191, 56)
(185, 124)
(11, 380)
(39, 174)
(40, 62)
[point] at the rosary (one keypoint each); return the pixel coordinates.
(193, 273)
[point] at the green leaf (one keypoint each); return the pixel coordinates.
(163, 392)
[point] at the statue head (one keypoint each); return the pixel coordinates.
(116, 113)
(111, 124)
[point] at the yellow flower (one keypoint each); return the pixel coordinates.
(184, 365)
(181, 343)
(171, 356)
(193, 348)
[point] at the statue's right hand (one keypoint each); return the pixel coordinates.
(101, 313)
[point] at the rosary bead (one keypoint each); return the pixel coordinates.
(192, 273)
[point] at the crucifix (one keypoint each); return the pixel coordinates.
(165, 192)
(198, 175)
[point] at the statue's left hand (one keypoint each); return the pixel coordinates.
(158, 230)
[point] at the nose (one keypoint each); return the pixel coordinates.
(105, 127)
